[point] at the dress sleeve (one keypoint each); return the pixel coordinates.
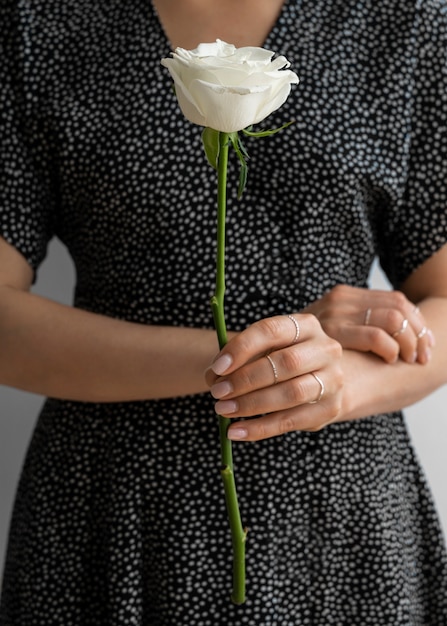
(27, 198)
(418, 227)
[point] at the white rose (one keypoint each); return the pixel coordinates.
(226, 88)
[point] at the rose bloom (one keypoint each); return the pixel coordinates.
(226, 88)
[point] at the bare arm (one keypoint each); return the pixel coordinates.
(59, 351)
(371, 385)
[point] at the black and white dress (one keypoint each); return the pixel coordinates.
(120, 518)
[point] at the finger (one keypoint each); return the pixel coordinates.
(389, 300)
(412, 336)
(277, 367)
(261, 338)
(350, 302)
(292, 393)
(425, 338)
(304, 418)
(369, 339)
(398, 328)
(424, 347)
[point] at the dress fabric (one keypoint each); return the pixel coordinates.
(119, 517)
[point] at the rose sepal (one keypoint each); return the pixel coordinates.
(265, 133)
(211, 145)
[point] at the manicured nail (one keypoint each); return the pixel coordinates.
(427, 355)
(220, 390)
(414, 357)
(221, 364)
(225, 407)
(236, 434)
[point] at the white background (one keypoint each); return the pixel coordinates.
(18, 410)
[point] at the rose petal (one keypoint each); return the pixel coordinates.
(229, 110)
(277, 100)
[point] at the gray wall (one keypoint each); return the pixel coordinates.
(427, 420)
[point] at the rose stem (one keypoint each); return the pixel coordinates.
(238, 533)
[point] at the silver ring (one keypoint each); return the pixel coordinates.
(422, 332)
(321, 383)
(367, 317)
(402, 329)
(275, 371)
(297, 328)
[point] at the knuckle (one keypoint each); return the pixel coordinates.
(400, 300)
(244, 380)
(286, 424)
(375, 335)
(394, 319)
(337, 293)
(333, 349)
(270, 327)
(243, 342)
(260, 431)
(290, 361)
(336, 349)
(248, 406)
(294, 392)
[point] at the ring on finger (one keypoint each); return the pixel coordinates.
(322, 388)
(402, 329)
(422, 332)
(275, 371)
(367, 317)
(297, 328)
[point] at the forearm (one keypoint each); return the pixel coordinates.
(373, 386)
(56, 350)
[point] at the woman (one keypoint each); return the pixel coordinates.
(119, 516)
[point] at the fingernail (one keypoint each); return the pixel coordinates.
(413, 357)
(225, 407)
(236, 434)
(221, 364)
(222, 389)
(427, 355)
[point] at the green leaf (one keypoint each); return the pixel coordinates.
(265, 133)
(210, 140)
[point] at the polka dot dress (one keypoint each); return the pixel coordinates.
(120, 518)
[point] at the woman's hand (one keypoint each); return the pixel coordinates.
(383, 322)
(284, 369)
